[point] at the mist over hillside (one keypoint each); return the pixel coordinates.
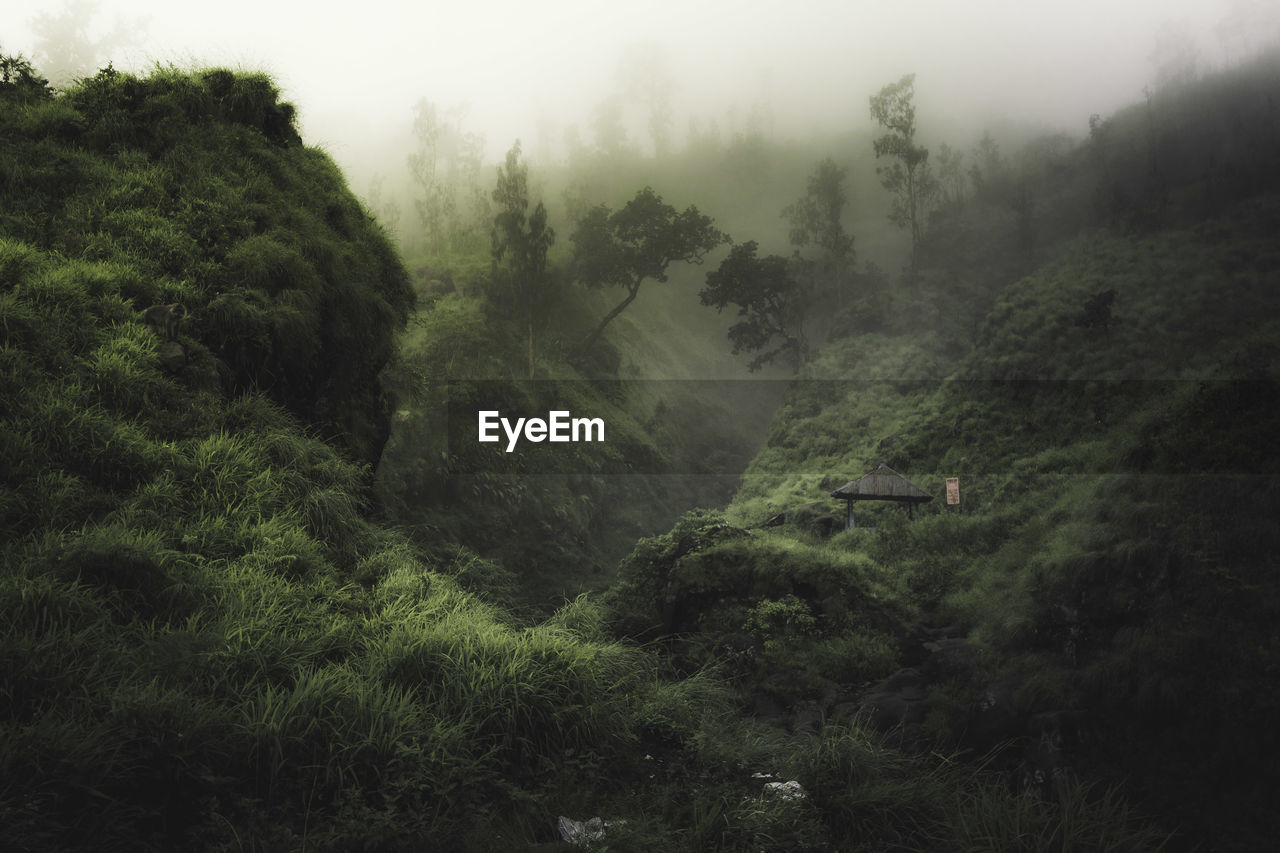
(448, 442)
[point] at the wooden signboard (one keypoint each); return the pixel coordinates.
(953, 490)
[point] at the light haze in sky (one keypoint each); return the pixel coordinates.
(355, 69)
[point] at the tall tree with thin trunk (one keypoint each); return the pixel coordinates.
(520, 244)
(626, 247)
(908, 177)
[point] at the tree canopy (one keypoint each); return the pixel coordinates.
(823, 248)
(640, 241)
(769, 299)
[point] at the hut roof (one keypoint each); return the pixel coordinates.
(882, 483)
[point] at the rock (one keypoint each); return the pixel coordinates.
(808, 717)
(951, 657)
(898, 704)
(172, 356)
(785, 791)
(844, 711)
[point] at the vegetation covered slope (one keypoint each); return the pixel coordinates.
(209, 646)
(206, 644)
(1090, 348)
(195, 190)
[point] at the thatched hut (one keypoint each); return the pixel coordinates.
(881, 483)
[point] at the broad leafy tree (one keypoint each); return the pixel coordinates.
(520, 244)
(908, 176)
(626, 247)
(770, 302)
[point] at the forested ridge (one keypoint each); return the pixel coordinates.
(264, 591)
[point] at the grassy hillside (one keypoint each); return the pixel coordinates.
(210, 645)
(195, 190)
(1099, 370)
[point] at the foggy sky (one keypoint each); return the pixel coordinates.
(355, 69)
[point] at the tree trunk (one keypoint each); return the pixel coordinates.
(590, 342)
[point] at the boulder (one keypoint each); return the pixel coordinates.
(172, 356)
(897, 704)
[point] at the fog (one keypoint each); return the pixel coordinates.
(523, 69)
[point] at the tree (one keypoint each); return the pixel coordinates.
(446, 167)
(815, 222)
(908, 178)
(624, 248)
(386, 209)
(608, 129)
(520, 245)
(19, 80)
(1248, 28)
(769, 299)
(951, 176)
(746, 157)
(1175, 56)
(989, 172)
(644, 78)
(64, 48)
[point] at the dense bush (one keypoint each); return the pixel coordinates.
(194, 188)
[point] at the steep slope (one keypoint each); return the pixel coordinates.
(209, 646)
(195, 190)
(1111, 422)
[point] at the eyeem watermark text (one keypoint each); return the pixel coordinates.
(558, 426)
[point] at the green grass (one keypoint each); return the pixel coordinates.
(214, 642)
